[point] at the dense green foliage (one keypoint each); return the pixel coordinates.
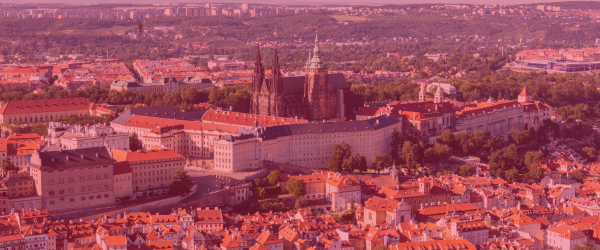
(295, 186)
(181, 185)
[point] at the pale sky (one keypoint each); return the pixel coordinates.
(293, 2)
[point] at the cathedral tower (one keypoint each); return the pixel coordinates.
(316, 86)
(257, 80)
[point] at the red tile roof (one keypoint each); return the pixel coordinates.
(45, 105)
(146, 155)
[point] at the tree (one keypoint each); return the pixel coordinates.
(274, 177)
(412, 153)
(135, 143)
(261, 193)
(7, 166)
(362, 164)
(381, 161)
(341, 152)
(295, 186)
(577, 175)
(447, 138)
(465, 171)
(300, 203)
(493, 144)
(520, 137)
(584, 246)
(395, 145)
(181, 185)
(590, 152)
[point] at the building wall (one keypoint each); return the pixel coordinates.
(75, 188)
(312, 150)
(123, 185)
(498, 122)
(41, 116)
(154, 174)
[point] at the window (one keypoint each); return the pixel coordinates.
(91, 197)
(98, 177)
(90, 177)
(98, 196)
(61, 192)
(81, 178)
(82, 198)
(71, 190)
(51, 182)
(105, 186)
(51, 193)
(61, 181)
(72, 200)
(105, 176)
(106, 196)
(71, 179)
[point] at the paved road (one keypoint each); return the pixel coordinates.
(209, 181)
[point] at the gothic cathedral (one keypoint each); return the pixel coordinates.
(316, 96)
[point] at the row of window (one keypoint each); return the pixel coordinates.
(81, 189)
(82, 198)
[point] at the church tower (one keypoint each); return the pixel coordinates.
(316, 86)
(422, 93)
(439, 95)
(257, 80)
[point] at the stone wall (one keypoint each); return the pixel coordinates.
(145, 207)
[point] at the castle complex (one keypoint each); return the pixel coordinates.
(316, 96)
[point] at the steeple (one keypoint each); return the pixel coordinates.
(315, 60)
(277, 85)
(422, 93)
(259, 72)
(439, 95)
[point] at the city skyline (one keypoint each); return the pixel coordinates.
(302, 2)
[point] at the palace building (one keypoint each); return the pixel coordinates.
(316, 96)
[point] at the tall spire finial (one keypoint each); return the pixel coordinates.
(317, 37)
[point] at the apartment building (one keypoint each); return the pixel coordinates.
(342, 191)
(151, 169)
(72, 180)
(476, 232)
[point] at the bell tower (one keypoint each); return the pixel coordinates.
(316, 86)
(422, 93)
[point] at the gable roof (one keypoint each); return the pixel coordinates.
(75, 158)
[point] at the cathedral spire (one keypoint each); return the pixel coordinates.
(277, 84)
(439, 94)
(259, 72)
(315, 61)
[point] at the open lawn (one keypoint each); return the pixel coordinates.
(343, 18)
